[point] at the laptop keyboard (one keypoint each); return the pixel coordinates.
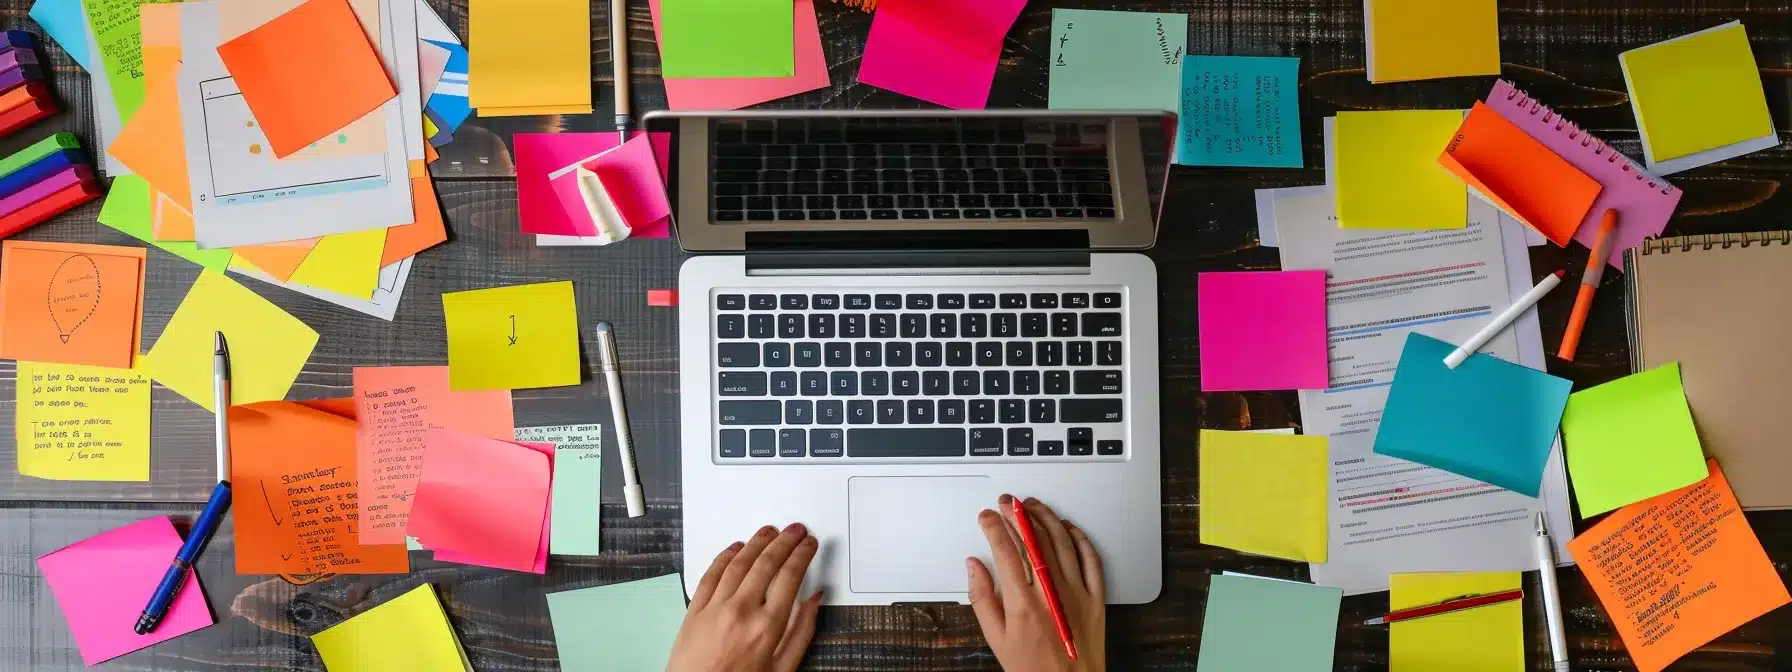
(946, 375)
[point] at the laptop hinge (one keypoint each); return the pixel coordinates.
(989, 251)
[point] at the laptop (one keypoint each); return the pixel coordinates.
(895, 317)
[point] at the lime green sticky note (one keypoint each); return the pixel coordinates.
(1631, 439)
(621, 626)
(512, 338)
(1697, 92)
(410, 632)
(1265, 493)
(267, 345)
(127, 208)
(1254, 624)
(727, 38)
(344, 263)
(1386, 172)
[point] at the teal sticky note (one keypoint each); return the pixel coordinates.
(66, 23)
(577, 488)
(128, 209)
(1255, 624)
(1240, 111)
(1103, 60)
(626, 627)
(1489, 419)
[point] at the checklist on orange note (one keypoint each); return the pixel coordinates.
(71, 303)
(1679, 569)
(307, 73)
(1520, 175)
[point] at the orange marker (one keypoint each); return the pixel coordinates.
(1589, 282)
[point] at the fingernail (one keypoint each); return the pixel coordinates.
(795, 529)
(735, 547)
(816, 596)
(970, 567)
(1005, 499)
(985, 513)
(810, 541)
(1031, 501)
(766, 531)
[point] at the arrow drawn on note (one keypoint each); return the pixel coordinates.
(513, 330)
(269, 503)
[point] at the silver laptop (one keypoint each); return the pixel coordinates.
(895, 317)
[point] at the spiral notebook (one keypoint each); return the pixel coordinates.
(1716, 305)
(1643, 201)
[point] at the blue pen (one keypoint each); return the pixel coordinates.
(214, 509)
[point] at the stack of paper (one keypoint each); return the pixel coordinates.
(398, 405)
(1425, 39)
(532, 57)
(409, 632)
(1383, 168)
(484, 502)
(1698, 99)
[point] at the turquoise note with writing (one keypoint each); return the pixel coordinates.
(626, 627)
(1104, 60)
(1255, 624)
(578, 485)
(1240, 111)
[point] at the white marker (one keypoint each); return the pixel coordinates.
(1503, 320)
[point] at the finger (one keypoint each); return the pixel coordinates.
(798, 632)
(707, 585)
(752, 588)
(789, 578)
(743, 561)
(1009, 567)
(984, 601)
(1085, 551)
(1064, 565)
(1006, 508)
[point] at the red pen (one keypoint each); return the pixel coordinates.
(1044, 576)
(1451, 605)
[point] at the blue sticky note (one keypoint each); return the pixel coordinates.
(1489, 419)
(1240, 111)
(66, 23)
(449, 102)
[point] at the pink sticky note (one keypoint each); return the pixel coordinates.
(941, 51)
(539, 155)
(635, 182)
(541, 554)
(711, 93)
(481, 498)
(103, 583)
(1262, 331)
(565, 186)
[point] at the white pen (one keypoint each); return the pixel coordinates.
(1552, 599)
(1503, 320)
(631, 481)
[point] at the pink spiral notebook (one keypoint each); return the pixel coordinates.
(1643, 201)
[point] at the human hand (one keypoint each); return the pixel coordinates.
(1016, 622)
(744, 616)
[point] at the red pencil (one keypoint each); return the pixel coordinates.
(1447, 606)
(1043, 575)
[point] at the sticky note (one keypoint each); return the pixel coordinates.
(1696, 93)
(940, 51)
(662, 298)
(512, 338)
(1631, 439)
(102, 583)
(66, 23)
(634, 181)
(153, 145)
(1387, 175)
(127, 209)
(621, 626)
(1254, 623)
(1484, 639)
(1703, 574)
(307, 73)
(71, 303)
(82, 423)
(410, 632)
(538, 155)
(533, 57)
(116, 33)
(1262, 330)
(268, 347)
(1423, 39)
(1488, 419)
(731, 93)
(481, 496)
(1102, 60)
(344, 263)
(727, 38)
(1265, 493)
(1239, 111)
(577, 485)
(280, 259)
(397, 405)
(427, 231)
(1519, 175)
(480, 555)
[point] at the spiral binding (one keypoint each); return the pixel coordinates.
(1599, 147)
(1713, 240)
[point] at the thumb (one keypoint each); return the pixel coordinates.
(984, 601)
(797, 634)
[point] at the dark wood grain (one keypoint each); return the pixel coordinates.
(1564, 51)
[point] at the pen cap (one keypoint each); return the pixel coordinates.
(637, 500)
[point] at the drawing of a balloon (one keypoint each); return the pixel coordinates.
(74, 294)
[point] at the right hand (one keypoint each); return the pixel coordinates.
(1016, 622)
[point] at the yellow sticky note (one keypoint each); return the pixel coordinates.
(344, 263)
(1387, 175)
(511, 338)
(1484, 639)
(1427, 39)
(1265, 493)
(82, 423)
(268, 347)
(534, 56)
(1696, 93)
(408, 633)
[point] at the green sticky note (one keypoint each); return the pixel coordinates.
(1256, 624)
(1103, 60)
(727, 38)
(1631, 439)
(127, 208)
(627, 627)
(578, 485)
(118, 33)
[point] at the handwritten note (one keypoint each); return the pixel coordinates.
(1240, 111)
(398, 406)
(65, 302)
(511, 338)
(578, 485)
(116, 30)
(1116, 60)
(82, 423)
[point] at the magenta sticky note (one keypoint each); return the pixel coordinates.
(636, 184)
(1262, 331)
(475, 557)
(732, 93)
(556, 188)
(941, 51)
(482, 501)
(103, 583)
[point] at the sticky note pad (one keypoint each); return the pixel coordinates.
(102, 583)
(540, 156)
(307, 73)
(731, 93)
(1386, 174)
(577, 485)
(481, 497)
(409, 632)
(268, 347)
(1485, 639)
(1519, 175)
(1254, 623)
(940, 51)
(1239, 111)
(533, 57)
(1265, 493)
(71, 303)
(82, 423)
(1424, 39)
(1262, 330)
(1631, 439)
(1102, 60)
(483, 554)
(727, 38)
(398, 405)
(621, 626)
(1698, 93)
(1488, 419)
(511, 338)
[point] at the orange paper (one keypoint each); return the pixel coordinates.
(1677, 570)
(151, 145)
(426, 232)
(1519, 174)
(292, 471)
(172, 223)
(307, 73)
(71, 303)
(278, 259)
(483, 499)
(398, 404)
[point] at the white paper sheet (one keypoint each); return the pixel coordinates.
(383, 304)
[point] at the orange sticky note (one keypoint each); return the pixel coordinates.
(481, 496)
(1679, 569)
(71, 303)
(1519, 174)
(152, 144)
(171, 222)
(281, 259)
(293, 469)
(426, 232)
(398, 404)
(307, 73)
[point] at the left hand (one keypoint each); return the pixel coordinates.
(744, 616)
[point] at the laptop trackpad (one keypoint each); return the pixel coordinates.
(912, 534)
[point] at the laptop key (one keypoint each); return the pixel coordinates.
(905, 383)
(914, 325)
(1005, 325)
(883, 325)
(995, 382)
(1042, 411)
(859, 412)
(1051, 447)
(783, 384)
(1082, 353)
(855, 214)
(858, 301)
(920, 302)
(1090, 410)
(777, 354)
(986, 441)
(1098, 382)
(761, 326)
(928, 354)
(821, 325)
(762, 443)
(827, 443)
(936, 383)
(731, 326)
(889, 302)
(1076, 300)
(1009, 213)
(983, 411)
(1080, 441)
(974, 325)
(1020, 441)
(813, 383)
(965, 383)
(906, 442)
(982, 301)
(1114, 447)
(1057, 382)
(741, 383)
(733, 443)
(867, 355)
(843, 383)
(989, 353)
(885, 214)
(1019, 353)
(951, 411)
(889, 412)
(799, 412)
(757, 412)
(920, 411)
(790, 325)
(737, 355)
(958, 353)
(1026, 383)
(736, 216)
(1014, 300)
(1101, 324)
(874, 383)
(1051, 353)
(731, 302)
(1032, 325)
(1107, 353)
(914, 214)
(1044, 300)
(942, 325)
(1107, 300)
(1011, 411)
(791, 443)
(899, 354)
(1063, 325)
(830, 412)
(794, 301)
(762, 302)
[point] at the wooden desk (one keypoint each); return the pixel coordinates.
(1565, 51)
